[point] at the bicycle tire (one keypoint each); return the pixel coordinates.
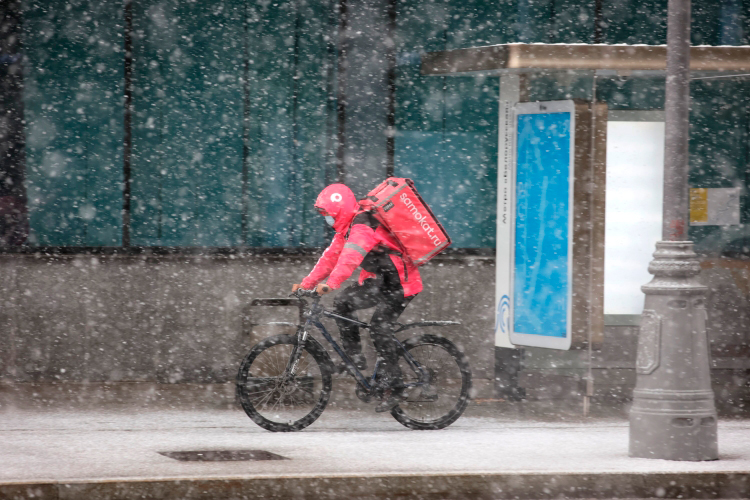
(259, 384)
(435, 417)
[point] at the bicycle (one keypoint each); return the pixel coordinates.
(284, 383)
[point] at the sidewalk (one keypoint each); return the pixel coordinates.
(348, 454)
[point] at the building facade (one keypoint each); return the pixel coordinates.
(161, 158)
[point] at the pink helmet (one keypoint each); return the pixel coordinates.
(338, 201)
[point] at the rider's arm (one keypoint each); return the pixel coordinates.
(325, 264)
(361, 240)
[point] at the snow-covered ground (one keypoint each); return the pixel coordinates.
(108, 444)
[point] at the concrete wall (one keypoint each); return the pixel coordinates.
(179, 319)
(183, 322)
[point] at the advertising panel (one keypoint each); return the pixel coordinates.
(542, 225)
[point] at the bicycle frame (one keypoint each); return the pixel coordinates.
(312, 318)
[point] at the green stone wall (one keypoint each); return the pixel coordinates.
(186, 168)
(234, 113)
(190, 119)
(73, 88)
(190, 64)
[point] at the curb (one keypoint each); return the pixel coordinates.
(428, 487)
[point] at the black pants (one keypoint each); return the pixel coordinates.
(387, 296)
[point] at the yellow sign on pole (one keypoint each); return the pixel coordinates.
(698, 205)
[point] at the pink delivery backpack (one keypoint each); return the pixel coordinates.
(398, 206)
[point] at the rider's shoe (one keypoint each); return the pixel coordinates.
(392, 398)
(360, 362)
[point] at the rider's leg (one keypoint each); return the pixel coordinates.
(346, 303)
(381, 330)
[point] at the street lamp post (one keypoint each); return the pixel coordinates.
(673, 415)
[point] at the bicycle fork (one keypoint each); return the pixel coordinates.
(293, 363)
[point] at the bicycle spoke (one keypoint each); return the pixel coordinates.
(265, 399)
(264, 362)
(277, 362)
(260, 392)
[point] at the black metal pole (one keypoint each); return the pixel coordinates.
(677, 106)
(390, 137)
(244, 230)
(341, 93)
(14, 221)
(127, 123)
(598, 22)
(296, 178)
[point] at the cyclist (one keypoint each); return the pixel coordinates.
(387, 282)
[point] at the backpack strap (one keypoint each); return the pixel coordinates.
(374, 224)
(370, 220)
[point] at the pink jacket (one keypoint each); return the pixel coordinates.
(344, 255)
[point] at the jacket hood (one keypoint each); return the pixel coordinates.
(338, 201)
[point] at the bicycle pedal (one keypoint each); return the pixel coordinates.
(363, 395)
(390, 401)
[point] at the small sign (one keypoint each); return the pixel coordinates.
(714, 206)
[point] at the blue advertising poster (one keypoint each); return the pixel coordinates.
(541, 263)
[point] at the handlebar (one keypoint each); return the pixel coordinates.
(301, 292)
(317, 292)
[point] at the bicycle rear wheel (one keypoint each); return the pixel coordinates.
(444, 400)
(276, 401)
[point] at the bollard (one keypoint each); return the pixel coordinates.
(673, 416)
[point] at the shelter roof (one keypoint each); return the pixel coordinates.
(533, 57)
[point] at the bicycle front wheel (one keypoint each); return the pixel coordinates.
(441, 402)
(271, 397)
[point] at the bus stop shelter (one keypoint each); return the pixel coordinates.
(616, 83)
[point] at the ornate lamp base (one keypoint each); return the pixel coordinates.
(673, 416)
